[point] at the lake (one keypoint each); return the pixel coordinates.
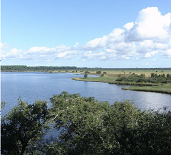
(31, 86)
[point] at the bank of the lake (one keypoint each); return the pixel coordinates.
(162, 88)
(147, 87)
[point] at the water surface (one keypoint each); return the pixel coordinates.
(31, 86)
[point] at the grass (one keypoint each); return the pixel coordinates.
(111, 77)
(97, 79)
(123, 72)
(161, 88)
(147, 72)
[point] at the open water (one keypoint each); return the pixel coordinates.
(31, 86)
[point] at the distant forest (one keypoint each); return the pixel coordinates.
(22, 68)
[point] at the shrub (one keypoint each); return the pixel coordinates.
(85, 75)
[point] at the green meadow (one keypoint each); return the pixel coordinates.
(111, 77)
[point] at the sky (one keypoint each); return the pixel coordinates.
(86, 33)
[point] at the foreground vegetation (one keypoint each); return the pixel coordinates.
(85, 126)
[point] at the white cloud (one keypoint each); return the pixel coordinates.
(96, 43)
(94, 56)
(1, 45)
(148, 35)
(116, 36)
(167, 53)
(150, 24)
(128, 26)
(14, 53)
(76, 44)
(125, 57)
(41, 50)
(87, 55)
(4, 46)
(150, 54)
(60, 55)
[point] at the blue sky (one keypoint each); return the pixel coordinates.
(86, 33)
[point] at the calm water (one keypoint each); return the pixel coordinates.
(31, 86)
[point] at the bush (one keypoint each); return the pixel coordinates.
(102, 75)
(153, 79)
(85, 75)
(98, 72)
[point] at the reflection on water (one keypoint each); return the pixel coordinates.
(155, 101)
(32, 86)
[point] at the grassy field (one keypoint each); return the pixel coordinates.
(138, 72)
(112, 75)
(161, 88)
(97, 79)
(123, 72)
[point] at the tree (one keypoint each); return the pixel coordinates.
(85, 75)
(91, 127)
(98, 72)
(80, 121)
(22, 125)
(102, 75)
(86, 126)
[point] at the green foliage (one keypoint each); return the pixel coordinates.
(86, 126)
(3, 104)
(92, 127)
(81, 119)
(98, 72)
(85, 75)
(35, 68)
(154, 78)
(102, 75)
(87, 72)
(23, 124)
(119, 75)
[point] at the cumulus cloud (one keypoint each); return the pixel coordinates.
(145, 37)
(129, 26)
(149, 54)
(14, 53)
(148, 35)
(167, 53)
(40, 49)
(150, 24)
(96, 43)
(61, 51)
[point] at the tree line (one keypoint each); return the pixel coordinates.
(22, 68)
(85, 126)
(36, 68)
(154, 78)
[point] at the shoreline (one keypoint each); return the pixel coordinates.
(146, 90)
(146, 87)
